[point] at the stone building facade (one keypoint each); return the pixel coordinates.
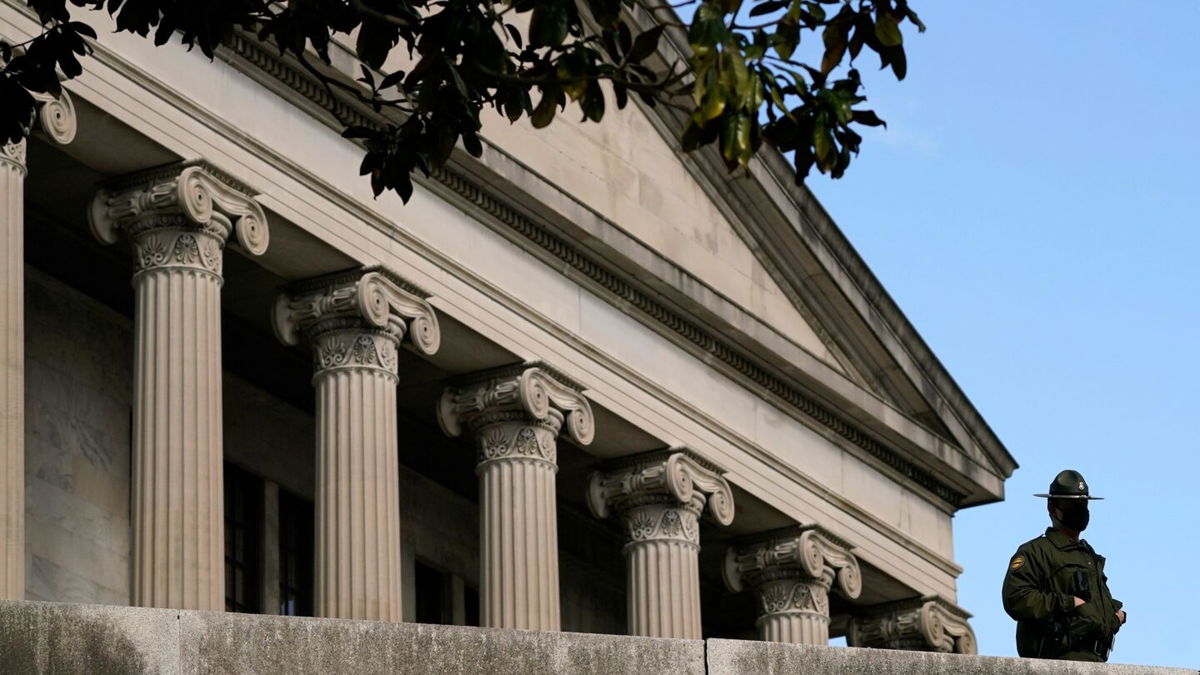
(583, 383)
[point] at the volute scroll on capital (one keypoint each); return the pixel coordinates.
(371, 298)
(190, 194)
(928, 623)
(809, 550)
(676, 473)
(56, 120)
(533, 389)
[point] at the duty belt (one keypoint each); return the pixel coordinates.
(1097, 646)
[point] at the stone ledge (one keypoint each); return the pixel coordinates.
(741, 656)
(41, 637)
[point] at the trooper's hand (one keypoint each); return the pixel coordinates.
(1121, 616)
(1079, 601)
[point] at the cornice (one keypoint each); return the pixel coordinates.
(292, 77)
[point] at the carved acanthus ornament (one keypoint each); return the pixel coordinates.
(179, 216)
(357, 319)
(921, 624)
(517, 412)
(661, 495)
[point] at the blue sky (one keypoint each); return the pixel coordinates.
(1033, 208)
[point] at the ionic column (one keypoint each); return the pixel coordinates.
(178, 218)
(514, 415)
(355, 323)
(792, 571)
(927, 624)
(56, 118)
(660, 497)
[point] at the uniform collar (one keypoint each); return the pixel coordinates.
(1061, 541)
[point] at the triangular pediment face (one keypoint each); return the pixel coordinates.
(623, 169)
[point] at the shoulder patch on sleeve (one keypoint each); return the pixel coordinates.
(1018, 562)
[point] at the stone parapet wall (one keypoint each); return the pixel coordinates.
(740, 656)
(38, 637)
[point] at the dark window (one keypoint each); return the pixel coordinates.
(471, 606)
(295, 555)
(433, 595)
(243, 539)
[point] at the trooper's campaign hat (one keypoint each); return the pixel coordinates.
(1068, 484)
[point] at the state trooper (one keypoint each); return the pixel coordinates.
(1055, 587)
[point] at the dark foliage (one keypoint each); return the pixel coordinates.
(741, 85)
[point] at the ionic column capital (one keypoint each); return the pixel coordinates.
(923, 624)
(187, 198)
(356, 319)
(533, 392)
(514, 415)
(659, 496)
(56, 119)
(673, 477)
(805, 552)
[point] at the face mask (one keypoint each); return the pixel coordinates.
(1075, 518)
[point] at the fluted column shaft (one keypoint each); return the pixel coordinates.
(178, 533)
(514, 416)
(518, 521)
(358, 481)
(662, 557)
(355, 322)
(178, 219)
(178, 519)
(12, 380)
(659, 497)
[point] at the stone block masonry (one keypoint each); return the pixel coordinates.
(38, 637)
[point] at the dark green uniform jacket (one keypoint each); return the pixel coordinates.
(1044, 577)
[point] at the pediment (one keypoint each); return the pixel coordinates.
(761, 243)
(627, 172)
